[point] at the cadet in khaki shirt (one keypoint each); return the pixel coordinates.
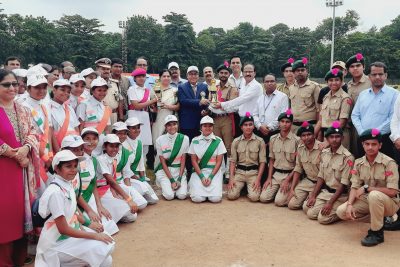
(282, 153)
(247, 161)
(287, 72)
(359, 82)
(336, 106)
(333, 178)
(303, 96)
(374, 188)
(307, 163)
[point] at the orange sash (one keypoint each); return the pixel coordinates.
(44, 145)
(102, 124)
(64, 128)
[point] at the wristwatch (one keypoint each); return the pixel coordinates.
(366, 188)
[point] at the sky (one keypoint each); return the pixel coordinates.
(216, 13)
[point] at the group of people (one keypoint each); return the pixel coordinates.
(78, 144)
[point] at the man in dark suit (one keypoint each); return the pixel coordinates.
(193, 99)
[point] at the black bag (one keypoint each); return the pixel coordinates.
(37, 220)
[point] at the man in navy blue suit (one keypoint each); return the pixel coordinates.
(193, 99)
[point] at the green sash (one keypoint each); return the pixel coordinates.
(124, 159)
(175, 151)
(86, 194)
(137, 158)
(208, 154)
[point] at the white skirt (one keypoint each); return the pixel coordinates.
(196, 187)
(117, 207)
(109, 225)
(145, 130)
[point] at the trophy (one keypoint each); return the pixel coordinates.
(157, 91)
(213, 92)
(203, 95)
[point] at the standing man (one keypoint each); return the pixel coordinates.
(209, 75)
(248, 95)
(287, 72)
(224, 121)
(141, 62)
(176, 79)
(359, 82)
(12, 63)
(113, 98)
(269, 105)
(374, 107)
(193, 99)
(333, 178)
(374, 188)
(248, 162)
(303, 96)
(117, 67)
(237, 78)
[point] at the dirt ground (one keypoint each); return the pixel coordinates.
(240, 233)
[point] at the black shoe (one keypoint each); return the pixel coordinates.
(373, 238)
(391, 225)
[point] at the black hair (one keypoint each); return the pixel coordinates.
(4, 73)
(61, 163)
(378, 64)
(116, 61)
(162, 72)
(235, 56)
(251, 64)
(53, 68)
(269, 74)
(11, 59)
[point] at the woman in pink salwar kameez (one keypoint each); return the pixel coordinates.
(19, 177)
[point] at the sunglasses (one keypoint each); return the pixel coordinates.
(8, 84)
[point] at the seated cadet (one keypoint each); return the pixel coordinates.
(282, 153)
(170, 161)
(207, 152)
(374, 188)
(247, 161)
(333, 178)
(307, 163)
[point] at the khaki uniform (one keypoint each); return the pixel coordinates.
(123, 89)
(354, 90)
(246, 152)
(223, 122)
(307, 163)
(112, 99)
(283, 87)
(335, 107)
(304, 102)
(283, 151)
(334, 169)
(382, 173)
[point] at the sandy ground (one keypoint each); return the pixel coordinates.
(240, 233)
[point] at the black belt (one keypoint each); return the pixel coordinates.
(216, 115)
(247, 168)
(314, 182)
(330, 190)
(282, 171)
(299, 123)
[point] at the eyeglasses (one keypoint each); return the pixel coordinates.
(8, 84)
(142, 65)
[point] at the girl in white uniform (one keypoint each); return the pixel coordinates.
(114, 168)
(63, 118)
(138, 178)
(170, 161)
(63, 241)
(78, 88)
(207, 152)
(93, 113)
(89, 197)
(140, 99)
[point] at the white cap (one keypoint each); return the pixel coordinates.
(63, 155)
(72, 141)
(112, 138)
(36, 79)
(98, 82)
(76, 78)
(206, 119)
(173, 64)
(133, 121)
(37, 69)
(119, 126)
(192, 68)
(20, 72)
(89, 130)
(170, 118)
(87, 72)
(61, 82)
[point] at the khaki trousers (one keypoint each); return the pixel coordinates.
(377, 204)
(272, 193)
(223, 129)
(301, 193)
(242, 179)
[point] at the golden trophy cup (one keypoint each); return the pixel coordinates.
(157, 91)
(203, 95)
(213, 92)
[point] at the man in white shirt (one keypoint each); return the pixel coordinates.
(236, 79)
(248, 95)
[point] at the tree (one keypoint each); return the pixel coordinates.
(343, 25)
